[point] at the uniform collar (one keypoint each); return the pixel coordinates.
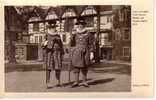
(54, 34)
(82, 31)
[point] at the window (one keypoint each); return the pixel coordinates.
(41, 27)
(103, 20)
(36, 27)
(58, 26)
(19, 37)
(118, 34)
(64, 37)
(30, 28)
(104, 38)
(126, 35)
(126, 52)
(36, 39)
(127, 17)
(40, 39)
(109, 19)
(121, 16)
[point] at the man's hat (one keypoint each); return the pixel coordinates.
(51, 24)
(80, 21)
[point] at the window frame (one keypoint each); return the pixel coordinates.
(34, 27)
(126, 32)
(123, 52)
(36, 39)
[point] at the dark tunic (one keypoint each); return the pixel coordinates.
(80, 49)
(54, 52)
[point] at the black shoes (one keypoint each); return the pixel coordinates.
(85, 84)
(75, 84)
(49, 86)
(58, 85)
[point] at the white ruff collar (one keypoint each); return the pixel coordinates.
(82, 31)
(55, 33)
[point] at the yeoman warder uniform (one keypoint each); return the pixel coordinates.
(80, 59)
(54, 53)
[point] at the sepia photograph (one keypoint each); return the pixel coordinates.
(67, 48)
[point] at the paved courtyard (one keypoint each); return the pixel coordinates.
(101, 78)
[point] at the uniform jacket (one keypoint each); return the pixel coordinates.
(80, 43)
(54, 52)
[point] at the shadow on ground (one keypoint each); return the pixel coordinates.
(100, 81)
(90, 82)
(70, 83)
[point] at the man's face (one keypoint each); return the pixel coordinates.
(52, 30)
(80, 27)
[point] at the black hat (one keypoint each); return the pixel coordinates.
(81, 21)
(52, 24)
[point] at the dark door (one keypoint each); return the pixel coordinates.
(32, 52)
(104, 54)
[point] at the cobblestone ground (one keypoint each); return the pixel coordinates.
(101, 78)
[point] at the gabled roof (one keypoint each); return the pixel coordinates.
(42, 11)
